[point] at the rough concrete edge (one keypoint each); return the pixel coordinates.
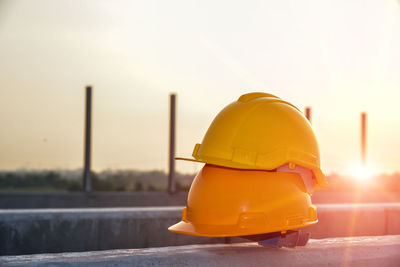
(328, 246)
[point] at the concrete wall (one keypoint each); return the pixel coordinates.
(64, 230)
(148, 199)
(89, 200)
(337, 220)
(379, 251)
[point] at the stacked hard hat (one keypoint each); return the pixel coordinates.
(261, 166)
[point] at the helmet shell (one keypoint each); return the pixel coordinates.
(260, 131)
(222, 203)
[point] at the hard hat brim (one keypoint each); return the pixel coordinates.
(188, 228)
(188, 159)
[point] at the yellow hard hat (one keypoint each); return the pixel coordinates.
(260, 131)
(232, 202)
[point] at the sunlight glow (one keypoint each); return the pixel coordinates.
(362, 173)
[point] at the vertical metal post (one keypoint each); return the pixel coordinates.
(87, 183)
(308, 113)
(171, 173)
(363, 138)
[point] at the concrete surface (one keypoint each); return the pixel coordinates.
(37, 200)
(66, 230)
(379, 251)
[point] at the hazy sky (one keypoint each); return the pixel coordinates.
(340, 57)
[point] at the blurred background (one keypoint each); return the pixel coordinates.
(339, 57)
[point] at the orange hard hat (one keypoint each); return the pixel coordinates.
(234, 202)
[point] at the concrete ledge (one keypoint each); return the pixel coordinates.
(39, 200)
(356, 251)
(66, 230)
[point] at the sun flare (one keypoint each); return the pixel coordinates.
(362, 173)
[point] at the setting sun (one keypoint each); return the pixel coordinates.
(361, 173)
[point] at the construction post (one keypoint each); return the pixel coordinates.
(364, 138)
(308, 113)
(172, 120)
(87, 183)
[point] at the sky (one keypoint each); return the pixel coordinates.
(339, 57)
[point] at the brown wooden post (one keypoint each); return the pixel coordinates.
(87, 183)
(172, 120)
